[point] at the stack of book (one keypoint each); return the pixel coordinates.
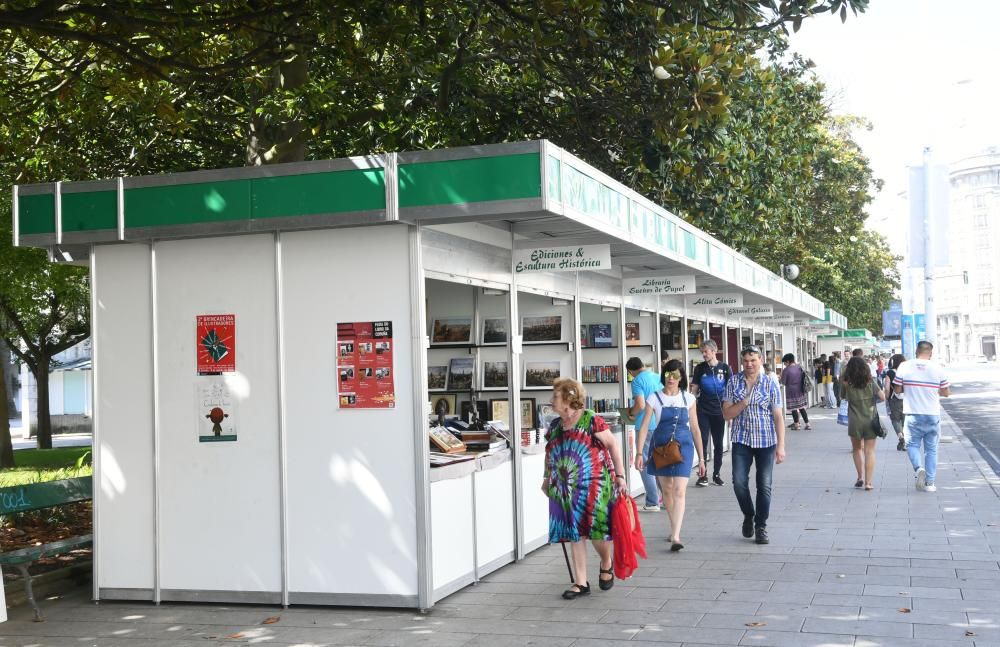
(482, 441)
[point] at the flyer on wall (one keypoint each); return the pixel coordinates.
(216, 344)
(364, 365)
(216, 411)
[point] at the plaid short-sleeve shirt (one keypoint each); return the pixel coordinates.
(754, 427)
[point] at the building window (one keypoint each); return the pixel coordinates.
(979, 201)
(986, 300)
(981, 220)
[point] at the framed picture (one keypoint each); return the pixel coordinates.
(541, 373)
(445, 441)
(452, 330)
(527, 413)
(499, 410)
(495, 331)
(443, 404)
(601, 335)
(495, 375)
(541, 329)
(460, 373)
(437, 378)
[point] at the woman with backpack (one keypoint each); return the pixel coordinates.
(797, 387)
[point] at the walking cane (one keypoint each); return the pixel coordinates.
(569, 568)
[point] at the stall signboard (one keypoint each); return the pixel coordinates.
(734, 299)
(216, 344)
(782, 318)
(659, 285)
(562, 259)
(365, 377)
(754, 311)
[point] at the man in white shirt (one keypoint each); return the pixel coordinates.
(924, 384)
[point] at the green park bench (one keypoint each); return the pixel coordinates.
(38, 496)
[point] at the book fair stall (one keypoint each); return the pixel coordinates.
(329, 382)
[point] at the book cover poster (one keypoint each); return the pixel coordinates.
(216, 411)
(632, 335)
(365, 377)
(216, 344)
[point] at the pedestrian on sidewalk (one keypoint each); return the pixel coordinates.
(895, 400)
(836, 367)
(644, 384)
(796, 390)
(708, 383)
(860, 390)
(923, 383)
(753, 403)
(831, 397)
(678, 419)
(818, 380)
(584, 473)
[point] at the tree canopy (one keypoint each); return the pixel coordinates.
(697, 105)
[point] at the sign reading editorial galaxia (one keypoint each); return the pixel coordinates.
(658, 285)
(562, 259)
(715, 300)
(759, 310)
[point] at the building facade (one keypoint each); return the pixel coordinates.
(967, 290)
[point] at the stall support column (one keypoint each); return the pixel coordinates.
(623, 390)
(279, 317)
(421, 458)
(95, 457)
(156, 425)
(514, 396)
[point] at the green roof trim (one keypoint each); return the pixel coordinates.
(318, 193)
(37, 214)
(90, 211)
(484, 179)
(187, 204)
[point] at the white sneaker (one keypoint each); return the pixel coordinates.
(930, 487)
(650, 508)
(921, 478)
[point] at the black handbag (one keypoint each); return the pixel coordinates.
(877, 424)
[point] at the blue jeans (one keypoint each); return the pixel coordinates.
(648, 480)
(924, 429)
(743, 456)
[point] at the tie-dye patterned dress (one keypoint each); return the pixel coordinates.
(581, 479)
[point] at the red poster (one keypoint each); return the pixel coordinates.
(216, 343)
(364, 365)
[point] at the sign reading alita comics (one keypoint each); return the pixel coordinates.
(364, 365)
(216, 344)
(715, 300)
(562, 259)
(656, 285)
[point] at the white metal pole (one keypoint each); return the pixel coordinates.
(930, 314)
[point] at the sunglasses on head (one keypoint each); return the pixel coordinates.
(672, 375)
(750, 349)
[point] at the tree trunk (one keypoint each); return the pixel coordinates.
(276, 143)
(6, 445)
(44, 419)
(9, 374)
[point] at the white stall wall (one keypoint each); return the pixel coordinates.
(219, 502)
(123, 487)
(351, 493)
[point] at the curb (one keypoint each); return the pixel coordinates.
(984, 468)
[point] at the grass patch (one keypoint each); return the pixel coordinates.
(42, 465)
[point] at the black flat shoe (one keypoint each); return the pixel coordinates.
(675, 546)
(576, 591)
(606, 584)
(761, 536)
(748, 526)
(859, 483)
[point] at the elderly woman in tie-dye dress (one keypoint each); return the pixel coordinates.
(583, 475)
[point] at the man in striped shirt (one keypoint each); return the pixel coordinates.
(752, 400)
(923, 384)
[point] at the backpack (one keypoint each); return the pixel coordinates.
(807, 383)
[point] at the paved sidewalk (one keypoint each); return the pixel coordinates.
(845, 567)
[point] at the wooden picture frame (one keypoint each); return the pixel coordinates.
(445, 441)
(500, 410)
(527, 413)
(448, 400)
(451, 331)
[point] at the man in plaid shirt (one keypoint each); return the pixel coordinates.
(752, 400)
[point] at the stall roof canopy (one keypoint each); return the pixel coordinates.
(831, 322)
(545, 194)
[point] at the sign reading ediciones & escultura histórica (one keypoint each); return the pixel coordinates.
(659, 285)
(562, 259)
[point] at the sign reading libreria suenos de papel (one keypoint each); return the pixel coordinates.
(562, 259)
(660, 285)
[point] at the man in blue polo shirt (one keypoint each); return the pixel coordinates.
(752, 401)
(708, 384)
(644, 384)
